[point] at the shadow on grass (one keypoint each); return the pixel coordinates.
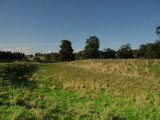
(18, 75)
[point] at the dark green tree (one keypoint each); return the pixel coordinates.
(36, 59)
(149, 50)
(47, 57)
(108, 53)
(39, 54)
(91, 49)
(135, 53)
(54, 57)
(51, 57)
(125, 52)
(66, 52)
(158, 31)
(9, 56)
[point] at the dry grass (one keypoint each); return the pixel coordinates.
(130, 67)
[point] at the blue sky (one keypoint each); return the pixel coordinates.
(39, 25)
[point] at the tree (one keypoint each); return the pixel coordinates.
(37, 59)
(158, 31)
(149, 50)
(54, 57)
(125, 51)
(91, 48)
(135, 53)
(79, 55)
(25, 59)
(30, 55)
(51, 57)
(47, 57)
(39, 54)
(108, 53)
(9, 56)
(66, 52)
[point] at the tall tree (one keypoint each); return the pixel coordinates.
(66, 52)
(91, 48)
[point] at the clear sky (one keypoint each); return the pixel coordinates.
(39, 25)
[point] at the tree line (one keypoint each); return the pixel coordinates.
(91, 51)
(9, 56)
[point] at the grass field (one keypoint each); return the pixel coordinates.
(87, 90)
(3, 63)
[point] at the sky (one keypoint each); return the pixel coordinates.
(32, 26)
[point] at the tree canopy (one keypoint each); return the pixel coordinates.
(66, 52)
(149, 50)
(9, 56)
(125, 51)
(91, 48)
(108, 53)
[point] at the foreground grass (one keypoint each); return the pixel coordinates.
(90, 89)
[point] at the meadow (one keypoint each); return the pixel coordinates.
(112, 89)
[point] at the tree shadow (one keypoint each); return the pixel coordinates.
(18, 75)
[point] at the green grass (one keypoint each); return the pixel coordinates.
(86, 90)
(2, 63)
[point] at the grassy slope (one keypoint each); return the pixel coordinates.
(93, 89)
